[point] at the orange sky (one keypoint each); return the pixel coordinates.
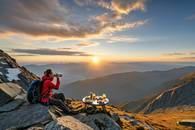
(103, 59)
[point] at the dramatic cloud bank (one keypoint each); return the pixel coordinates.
(51, 52)
(53, 18)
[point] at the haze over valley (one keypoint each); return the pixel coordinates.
(80, 71)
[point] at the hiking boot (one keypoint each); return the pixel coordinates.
(67, 101)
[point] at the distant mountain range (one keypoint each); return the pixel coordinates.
(135, 91)
(125, 87)
(80, 71)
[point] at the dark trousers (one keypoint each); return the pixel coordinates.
(58, 100)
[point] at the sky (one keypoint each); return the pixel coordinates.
(49, 31)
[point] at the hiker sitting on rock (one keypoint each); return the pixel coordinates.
(47, 97)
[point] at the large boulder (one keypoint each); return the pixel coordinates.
(26, 116)
(8, 91)
(11, 105)
(67, 123)
(99, 121)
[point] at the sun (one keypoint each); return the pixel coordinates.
(95, 60)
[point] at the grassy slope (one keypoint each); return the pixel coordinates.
(168, 119)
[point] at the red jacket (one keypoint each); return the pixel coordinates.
(46, 90)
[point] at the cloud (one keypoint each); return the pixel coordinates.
(187, 54)
(192, 17)
(65, 48)
(175, 54)
(103, 18)
(45, 18)
(123, 39)
(118, 6)
(119, 26)
(87, 44)
(188, 58)
(22, 55)
(106, 18)
(50, 52)
(80, 45)
(192, 53)
(127, 6)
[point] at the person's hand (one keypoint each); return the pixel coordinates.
(56, 75)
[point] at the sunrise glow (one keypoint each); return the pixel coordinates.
(95, 60)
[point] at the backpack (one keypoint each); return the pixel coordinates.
(34, 92)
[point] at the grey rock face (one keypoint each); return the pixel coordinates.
(8, 91)
(183, 94)
(26, 116)
(99, 121)
(11, 105)
(67, 123)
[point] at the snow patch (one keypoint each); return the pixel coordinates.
(21, 96)
(1, 73)
(3, 62)
(13, 74)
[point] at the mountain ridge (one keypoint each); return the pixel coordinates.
(135, 85)
(179, 95)
(148, 104)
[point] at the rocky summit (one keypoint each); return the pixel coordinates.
(16, 113)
